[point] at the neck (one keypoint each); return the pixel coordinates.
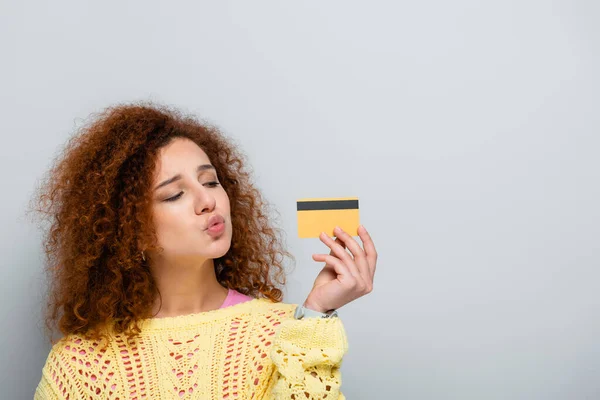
(186, 287)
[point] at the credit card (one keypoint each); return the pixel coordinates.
(324, 214)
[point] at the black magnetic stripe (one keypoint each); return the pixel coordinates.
(328, 205)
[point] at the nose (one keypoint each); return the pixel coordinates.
(204, 200)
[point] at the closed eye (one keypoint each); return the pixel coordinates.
(174, 197)
(178, 195)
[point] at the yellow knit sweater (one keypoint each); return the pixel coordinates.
(251, 350)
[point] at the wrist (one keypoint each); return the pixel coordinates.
(315, 307)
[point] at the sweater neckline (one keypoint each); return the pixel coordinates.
(187, 320)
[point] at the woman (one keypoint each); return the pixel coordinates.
(164, 269)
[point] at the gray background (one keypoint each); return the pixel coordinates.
(468, 130)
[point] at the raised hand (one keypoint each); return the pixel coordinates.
(345, 276)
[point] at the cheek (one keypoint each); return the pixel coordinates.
(223, 202)
(169, 219)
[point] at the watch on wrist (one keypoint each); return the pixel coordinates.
(303, 312)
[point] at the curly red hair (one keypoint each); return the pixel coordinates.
(97, 196)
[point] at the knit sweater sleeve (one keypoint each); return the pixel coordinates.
(45, 390)
(308, 355)
(57, 381)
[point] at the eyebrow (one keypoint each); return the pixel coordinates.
(203, 167)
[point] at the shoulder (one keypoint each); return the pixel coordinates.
(281, 308)
(273, 312)
(69, 344)
(74, 343)
(76, 363)
(75, 350)
(71, 360)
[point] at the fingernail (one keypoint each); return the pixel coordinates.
(337, 229)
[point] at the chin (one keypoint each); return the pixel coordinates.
(222, 246)
(221, 253)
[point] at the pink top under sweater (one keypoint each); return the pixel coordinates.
(234, 297)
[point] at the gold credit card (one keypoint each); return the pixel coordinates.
(323, 215)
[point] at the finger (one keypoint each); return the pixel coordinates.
(340, 268)
(343, 255)
(360, 258)
(350, 242)
(337, 249)
(340, 242)
(369, 248)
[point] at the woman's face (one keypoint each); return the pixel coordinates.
(186, 193)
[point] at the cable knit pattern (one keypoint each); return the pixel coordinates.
(251, 350)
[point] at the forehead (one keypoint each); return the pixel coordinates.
(178, 156)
